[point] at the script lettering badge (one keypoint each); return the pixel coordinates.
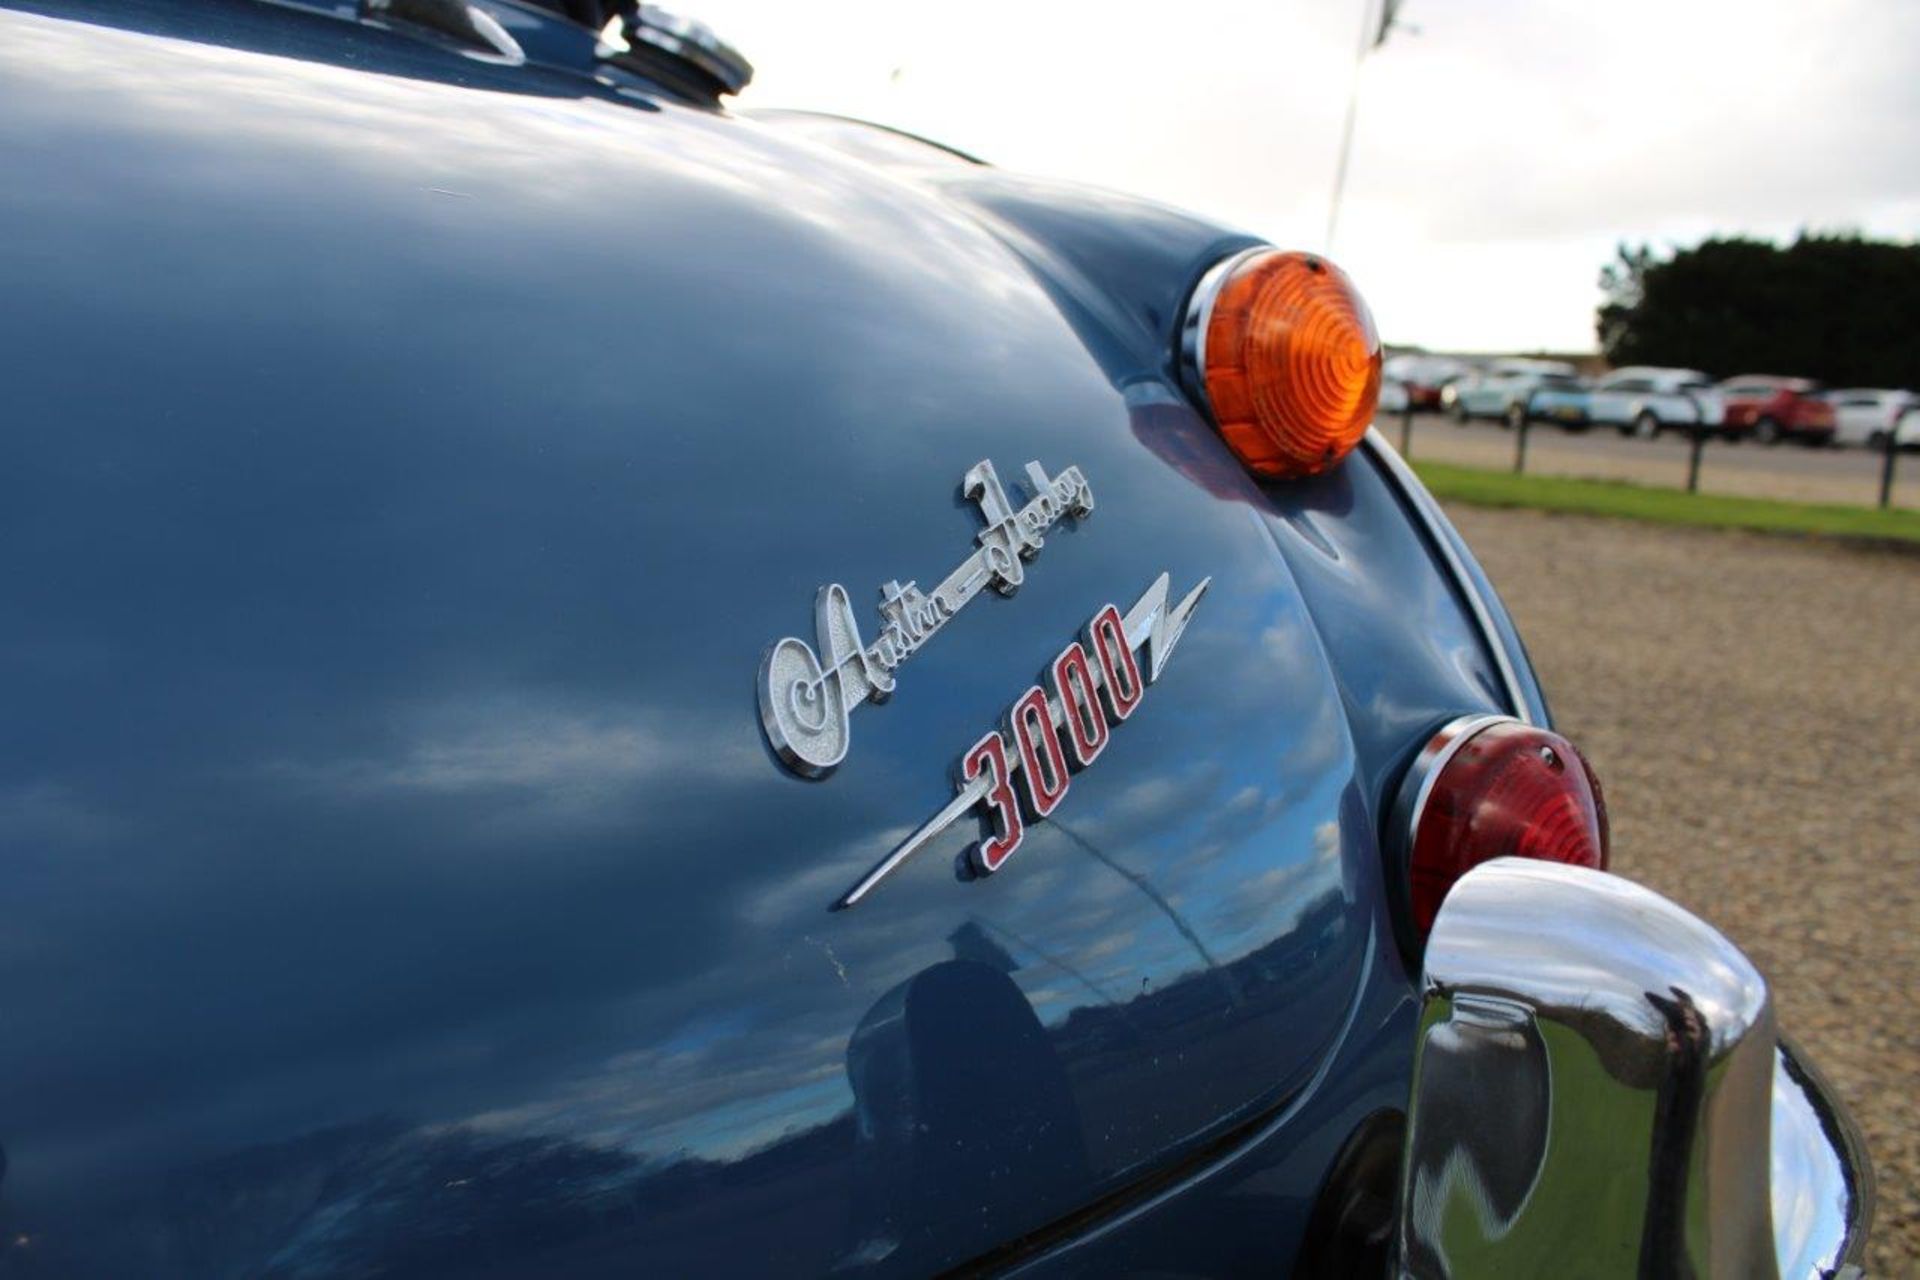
(808, 693)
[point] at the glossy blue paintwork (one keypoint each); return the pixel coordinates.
(407, 460)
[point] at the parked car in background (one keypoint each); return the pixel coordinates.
(1565, 404)
(1773, 409)
(1422, 377)
(1500, 390)
(1865, 416)
(1644, 400)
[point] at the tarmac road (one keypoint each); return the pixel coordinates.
(1849, 477)
(1750, 704)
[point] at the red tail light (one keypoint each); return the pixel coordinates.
(1488, 787)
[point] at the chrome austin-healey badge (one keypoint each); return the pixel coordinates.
(806, 697)
(1096, 683)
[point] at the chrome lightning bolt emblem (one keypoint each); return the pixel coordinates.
(1097, 682)
(807, 697)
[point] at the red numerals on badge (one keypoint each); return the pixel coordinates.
(1043, 764)
(1086, 722)
(1117, 667)
(1034, 744)
(989, 756)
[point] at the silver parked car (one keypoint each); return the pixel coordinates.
(1645, 401)
(1501, 390)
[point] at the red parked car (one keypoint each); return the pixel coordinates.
(1423, 376)
(1773, 409)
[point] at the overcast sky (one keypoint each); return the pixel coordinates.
(1500, 152)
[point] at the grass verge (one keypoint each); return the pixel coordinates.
(1630, 501)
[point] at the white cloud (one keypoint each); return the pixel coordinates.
(1500, 152)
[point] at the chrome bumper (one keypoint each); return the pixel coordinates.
(1599, 1088)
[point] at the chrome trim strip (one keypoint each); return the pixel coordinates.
(1434, 522)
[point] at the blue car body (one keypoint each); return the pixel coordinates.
(410, 458)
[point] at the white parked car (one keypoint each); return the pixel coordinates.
(1864, 416)
(1645, 401)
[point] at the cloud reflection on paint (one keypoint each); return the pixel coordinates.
(380, 708)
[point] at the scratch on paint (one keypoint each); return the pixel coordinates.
(458, 195)
(827, 949)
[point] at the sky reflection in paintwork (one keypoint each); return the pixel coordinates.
(381, 737)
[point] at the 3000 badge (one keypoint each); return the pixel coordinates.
(1022, 775)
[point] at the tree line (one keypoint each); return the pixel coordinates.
(1839, 308)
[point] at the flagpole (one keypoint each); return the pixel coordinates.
(1367, 41)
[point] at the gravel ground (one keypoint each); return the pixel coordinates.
(1752, 705)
